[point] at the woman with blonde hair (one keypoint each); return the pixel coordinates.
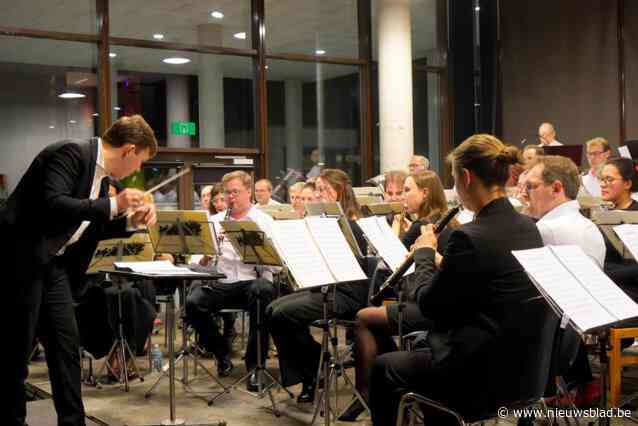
(424, 197)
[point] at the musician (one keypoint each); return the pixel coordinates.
(217, 202)
(478, 284)
(547, 135)
(530, 152)
(598, 150)
(618, 179)
(263, 193)
(204, 196)
(418, 163)
(51, 225)
(290, 316)
(424, 197)
(393, 192)
(243, 284)
(552, 186)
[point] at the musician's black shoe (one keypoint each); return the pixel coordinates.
(307, 393)
(252, 384)
(224, 367)
(354, 409)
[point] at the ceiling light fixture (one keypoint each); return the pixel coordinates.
(477, 8)
(51, 127)
(176, 61)
(117, 108)
(320, 52)
(95, 114)
(241, 36)
(71, 95)
(158, 36)
(217, 14)
(112, 55)
(72, 121)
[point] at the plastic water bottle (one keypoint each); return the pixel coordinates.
(156, 358)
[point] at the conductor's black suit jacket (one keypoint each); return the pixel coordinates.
(47, 207)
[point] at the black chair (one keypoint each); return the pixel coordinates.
(504, 380)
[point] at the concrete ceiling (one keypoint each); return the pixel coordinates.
(293, 26)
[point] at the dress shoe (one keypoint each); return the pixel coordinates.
(252, 384)
(307, 393)
(224, 367)
(354, 409)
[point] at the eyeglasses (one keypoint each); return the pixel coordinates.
(233, 192)
(608, 180)
(594, 153)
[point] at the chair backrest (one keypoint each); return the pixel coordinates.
(516, 366)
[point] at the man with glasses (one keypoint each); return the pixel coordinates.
(242, 286)
(418, 163)
(598, 151)
(547, 135)
(552, 185)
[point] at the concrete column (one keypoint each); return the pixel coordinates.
(395, 84)
(321, 129)
(211, 90)
(177, 109)
(294, 137)
(114, 97)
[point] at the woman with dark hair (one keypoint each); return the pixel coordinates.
(618, 179)
(473, 298)
(425, 198)
(217, 202)
(289, 317)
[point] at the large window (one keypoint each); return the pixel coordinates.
(71, 16)
(195, 101)
(48, 92)
(313, 113)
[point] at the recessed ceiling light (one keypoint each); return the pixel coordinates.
(112, 55)
(241, 36)
(95, 114)
(51, 127)
(176, 61)
(72, 121)
(117, 108)
(266, 66)
(320, 52)
(217, 14)
(477, 8)
(71, 95)
(158, 36)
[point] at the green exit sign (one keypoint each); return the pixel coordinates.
(183, 128)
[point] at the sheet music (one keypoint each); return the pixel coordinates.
(594, 280)
(628, 234)
(556, 282)
(624, 152)
(302, 256)
(388, 245)
(335, 249)
(158, 267)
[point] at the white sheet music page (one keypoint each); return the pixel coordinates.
(624, 152)
(596, 282)
(335, 249)
(300, 253)
(628, 234)
(558, 283)
(388, 245)
(157, 267)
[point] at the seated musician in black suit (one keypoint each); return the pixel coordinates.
(478, 284)
(290, 316)
(424, 197)
(618, 179)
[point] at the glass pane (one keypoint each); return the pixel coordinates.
(70, 16)
(206, 102)
(313, 119)
(327, 27)
(219, 23)
(34, 74)
(423, 14)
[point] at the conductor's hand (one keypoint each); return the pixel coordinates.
(144, 215)
(129, 198)
(426, 239)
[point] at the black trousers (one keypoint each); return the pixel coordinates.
(45, 307)
(396, 373)
(289, 319)
(203, 302)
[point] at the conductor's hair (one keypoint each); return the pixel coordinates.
(486, 157)
(134, 130)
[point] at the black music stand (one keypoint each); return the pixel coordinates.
(254, 248)
(573, 152)
(171, 283)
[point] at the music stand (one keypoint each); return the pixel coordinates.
(573, 152)
(383, 209)
(183, 233)
(171, 282)
(138, 247)
(255, 248)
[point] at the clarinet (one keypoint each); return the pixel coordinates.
(389, 284)
(220, 237)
